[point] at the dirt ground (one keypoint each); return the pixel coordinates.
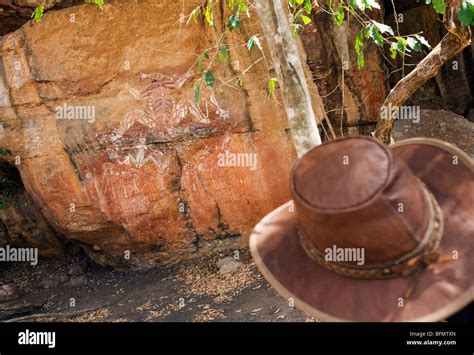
(440, 124)
(193, 292)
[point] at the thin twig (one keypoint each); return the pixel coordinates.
(52, 315)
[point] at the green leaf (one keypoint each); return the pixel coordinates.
(241, 6)
(306, 19)
(414, 44)
(339, 15)
(197, 94)
(241, 80)
(466, 13)
(194, 14)
(308, 7)
(208, 14)
(231, 4)
(372, 4)
(271, 86)
(253, 41)
(373, 32)
(352, 4)
(200, 63)
(361, 60)
(99, 3)
(393, 50)
(362, 4)
(423, 41)
(38, 13)
(224, 54)
(359, 44)
(233, 21)
(383, 28)
(4, 152)
(438, 5)
(209, 78)
(206, 54)
(400, 46)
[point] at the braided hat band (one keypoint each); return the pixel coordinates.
(423, 255)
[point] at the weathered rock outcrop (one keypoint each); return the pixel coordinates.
(100, 117)
(351, 97)
(98, 109)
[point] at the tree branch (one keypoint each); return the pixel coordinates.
(457, 38)
(286, 60)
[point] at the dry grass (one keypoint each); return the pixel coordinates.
(209, 314)
(98, 315)
(204, 278)
(94, 316)
(155, 314)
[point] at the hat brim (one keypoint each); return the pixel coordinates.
(436, 292)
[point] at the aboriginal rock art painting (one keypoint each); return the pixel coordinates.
(166, 113)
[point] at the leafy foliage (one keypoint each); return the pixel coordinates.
(197, 92)
(339, 16)
(38, 13)
(271, 86)
(223, 54)
(208, 14)
(466, 13)
(359, 45)
(209, 78)
(99, 3)
(252, 42)
(438, 5)
(378, 33)
(4, 152)
(300, 11)
(233, 22)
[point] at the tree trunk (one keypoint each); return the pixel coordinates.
(457, 38)
(290, 73)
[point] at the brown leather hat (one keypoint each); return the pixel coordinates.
(374, 233)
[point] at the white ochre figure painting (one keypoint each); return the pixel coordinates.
(167, 113)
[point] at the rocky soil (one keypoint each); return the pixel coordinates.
(440, 124)
(215, 288)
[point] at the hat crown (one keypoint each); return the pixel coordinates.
(353, 193)
(343, 175)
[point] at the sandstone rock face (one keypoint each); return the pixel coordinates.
(98, 110)
(352, 97)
